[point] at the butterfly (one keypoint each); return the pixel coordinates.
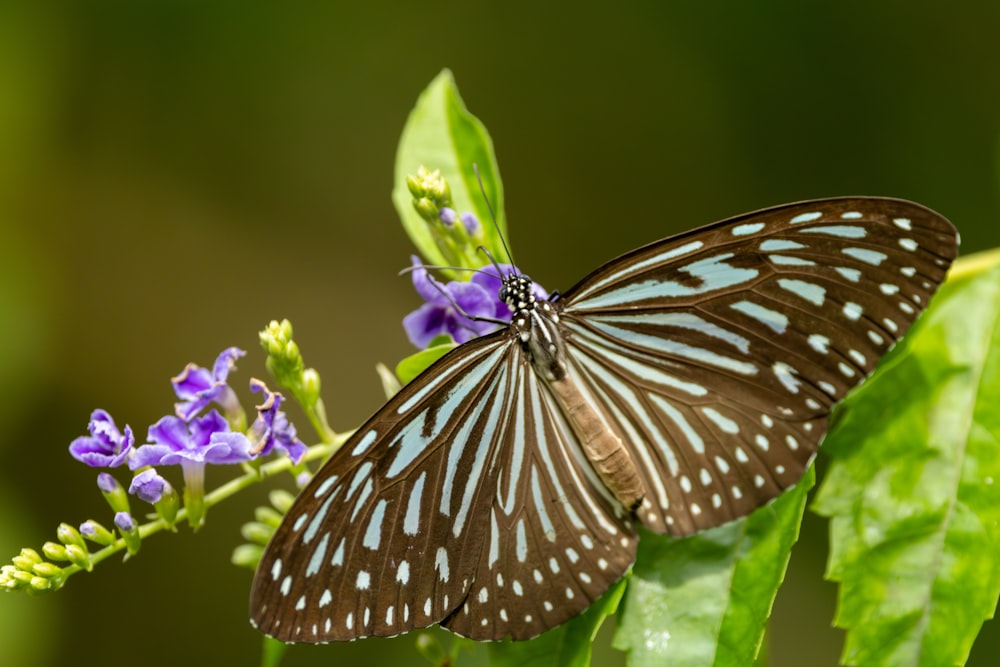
(677, 387)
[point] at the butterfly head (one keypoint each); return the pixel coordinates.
(517, 291)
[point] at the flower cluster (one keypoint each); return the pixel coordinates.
(459, 309)
(458, 244)
(208, 428)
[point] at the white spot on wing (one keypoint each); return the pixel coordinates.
(811, 292)
(777, 322)
(820, 343)
(748, 228)
(852, 311)
(805, 217)
(786, 375)
(726, 424)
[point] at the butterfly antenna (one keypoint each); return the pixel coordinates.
(496, 224)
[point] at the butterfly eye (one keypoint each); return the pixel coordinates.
(503, 293)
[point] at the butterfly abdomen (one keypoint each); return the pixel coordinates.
(601, 445)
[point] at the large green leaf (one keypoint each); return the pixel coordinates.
(914, 491)
(705, 599)
(568, 645)
(440, 133)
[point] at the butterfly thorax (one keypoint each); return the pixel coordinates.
(535, 323)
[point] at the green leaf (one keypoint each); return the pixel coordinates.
(914, 490)
(440, 133)
(568, 645)
(705, 599)
(415, 364)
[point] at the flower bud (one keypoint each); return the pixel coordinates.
(268, 516)
(427, 209)
(47, 569)
(41, 584)
(97, 533)
(310, 386)
(247, 555)
(129, 531)
(80, 557)
(281, 500)
(168, 505)
(429, 647)
(27, 559)
(113, 492)
(54, 551)
(255, 532)
(67, 534)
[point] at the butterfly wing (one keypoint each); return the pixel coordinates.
(718, 353)
(461, 502)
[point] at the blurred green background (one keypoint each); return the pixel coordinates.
(175, 174)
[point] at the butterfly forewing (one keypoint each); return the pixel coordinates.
(721, 351)
(713, 356)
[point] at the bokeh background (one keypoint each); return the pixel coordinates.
(173, 175)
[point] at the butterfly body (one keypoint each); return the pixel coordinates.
(536, 326)
(679, 386)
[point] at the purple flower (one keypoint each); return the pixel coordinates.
(439, 315)
(149, 486)
(197, 386)
(205, 439)
(272, 428)
(106, 446)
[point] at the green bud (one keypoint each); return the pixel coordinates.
(426, 208)
(255, 532)
(113, 492)
(247, 555)
(40, 584)
(54, 551)
(7, 580)
(27, 559)
(268, 516)
(310, 386)
(284, 359)
(23, 577)
(132, 541)
(67, 534)
(168, 505)
(429, 647)
(97, 534)
(282, 500)
(79, 557)
(47, 569)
